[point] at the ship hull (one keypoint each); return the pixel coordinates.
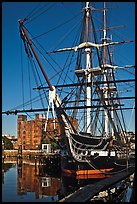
(97, 167)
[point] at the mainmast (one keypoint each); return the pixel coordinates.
(105, 69)
(88, 88)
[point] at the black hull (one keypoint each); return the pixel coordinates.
(100, 165)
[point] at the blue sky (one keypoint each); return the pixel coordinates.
(119, 14)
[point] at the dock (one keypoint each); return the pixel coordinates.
(87, 192)
(27, 153)
(50, 160)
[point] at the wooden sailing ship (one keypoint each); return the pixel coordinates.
(97, 143)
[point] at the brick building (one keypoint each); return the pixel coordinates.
(31, 133)
(29, 179)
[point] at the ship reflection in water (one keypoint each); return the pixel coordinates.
(28, 181)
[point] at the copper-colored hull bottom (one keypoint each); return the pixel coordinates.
(81, 174)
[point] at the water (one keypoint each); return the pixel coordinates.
(23, 184)
(28, 181)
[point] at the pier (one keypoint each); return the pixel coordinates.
(87, 192)
(27, 153)
(50, 160)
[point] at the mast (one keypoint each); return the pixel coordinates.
(88, 88)
(105, 70)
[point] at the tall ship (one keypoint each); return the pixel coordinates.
(84, 96)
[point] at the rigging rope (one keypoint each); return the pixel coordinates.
(34, 66)
(130, 120)
(61, 69)
(27, 103)
(29, 84)
(65, 36)
(107, 173)
(32, 12)
(22, 74)
(56, 27)
(39, 14)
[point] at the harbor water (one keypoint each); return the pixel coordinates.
(27, 181)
